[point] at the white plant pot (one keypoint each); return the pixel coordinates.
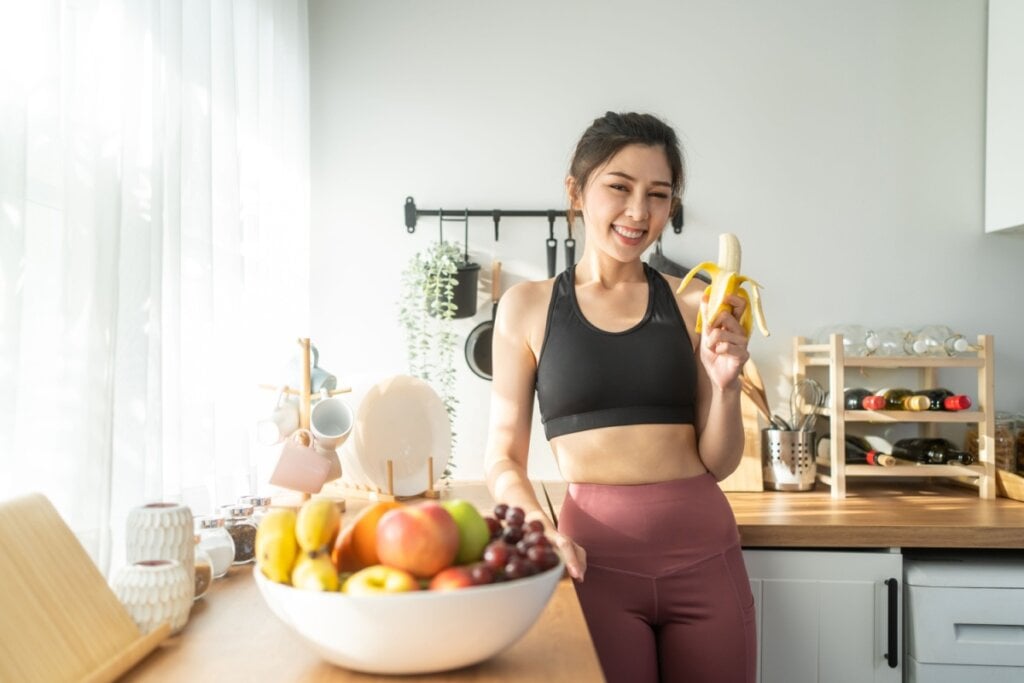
(154, 592)
(161, 531)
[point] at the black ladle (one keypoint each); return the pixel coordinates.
(570, 245)
(551, 243)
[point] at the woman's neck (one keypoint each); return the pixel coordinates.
(595, 267)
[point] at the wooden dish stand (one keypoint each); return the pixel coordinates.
(333, 489)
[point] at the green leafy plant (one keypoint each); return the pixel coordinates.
(426, 310)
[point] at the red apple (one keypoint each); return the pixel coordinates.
(452, 578)
(379, 578)
(422, 539)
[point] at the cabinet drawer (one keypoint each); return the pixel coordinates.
(920, 672)
(950, 625)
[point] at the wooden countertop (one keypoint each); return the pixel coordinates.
(874, 514)
(232, 635)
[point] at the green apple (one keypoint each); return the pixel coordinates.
(474, 534)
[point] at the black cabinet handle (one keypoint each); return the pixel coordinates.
(892, 656)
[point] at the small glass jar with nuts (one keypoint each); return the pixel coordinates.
(1005, 440)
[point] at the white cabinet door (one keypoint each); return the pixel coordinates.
(1004, 132)
(825, 616)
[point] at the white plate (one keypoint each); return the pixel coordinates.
(401, 418)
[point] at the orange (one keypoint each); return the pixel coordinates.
(356, 546)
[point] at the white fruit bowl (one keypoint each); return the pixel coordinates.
(416, 632)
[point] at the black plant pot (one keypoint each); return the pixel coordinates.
(464, 294)
(465, 290)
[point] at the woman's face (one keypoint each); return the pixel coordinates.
(626, 202)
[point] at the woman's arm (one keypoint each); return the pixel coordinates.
(722, 353)
(514, 371)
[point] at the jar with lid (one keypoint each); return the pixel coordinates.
(260, 506)
(204, 569)
(240, 524)
(217, 542)
(1019, 441)
(1004, 441)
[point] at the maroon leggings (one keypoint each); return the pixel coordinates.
(666, 594)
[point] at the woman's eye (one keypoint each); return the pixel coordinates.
(659, 195)
(621, 188)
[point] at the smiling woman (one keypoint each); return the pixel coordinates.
(154, 162)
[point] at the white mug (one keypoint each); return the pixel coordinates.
(280, 423)
(331, 420)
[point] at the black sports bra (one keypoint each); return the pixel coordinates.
(589, 378)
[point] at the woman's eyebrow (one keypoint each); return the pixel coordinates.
(631, 178)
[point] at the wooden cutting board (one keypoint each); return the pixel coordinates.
(60, 620)
(749, 476)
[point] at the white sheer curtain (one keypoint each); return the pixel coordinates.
(153, 247)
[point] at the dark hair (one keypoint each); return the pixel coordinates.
(610, 133)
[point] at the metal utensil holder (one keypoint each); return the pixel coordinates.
(787, 459)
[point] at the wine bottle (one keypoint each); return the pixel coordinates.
(889, 341)
(895, 399)
(853, 398)
(857, 452)
(854, 338)
(940, 340)
(931, 451)
(944, 399)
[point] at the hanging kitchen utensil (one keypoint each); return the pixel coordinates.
(552, 244)
(570, 245)
(478, 343)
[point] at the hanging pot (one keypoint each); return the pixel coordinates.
(464, 295)
(467, 275)
(478, 343)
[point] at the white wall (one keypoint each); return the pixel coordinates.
(842, 140)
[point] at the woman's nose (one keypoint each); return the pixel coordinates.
(637, 208)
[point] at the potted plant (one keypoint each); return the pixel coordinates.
(433, 290)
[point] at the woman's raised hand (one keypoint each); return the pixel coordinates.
(723, 343)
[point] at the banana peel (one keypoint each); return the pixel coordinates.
(726, 280)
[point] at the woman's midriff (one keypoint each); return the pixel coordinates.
(630, 454)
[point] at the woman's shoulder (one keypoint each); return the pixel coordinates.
(528, 296)
(691, 294)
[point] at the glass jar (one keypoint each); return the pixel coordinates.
(217, 542)
(240, 524)
(1004, 440)
(204, 569)
(260, 506)
(1019, 441)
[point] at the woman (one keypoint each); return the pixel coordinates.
(643, 420)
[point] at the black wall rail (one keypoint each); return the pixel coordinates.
(412, 212)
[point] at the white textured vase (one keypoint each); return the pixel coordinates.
(161, 531)
(155, 591)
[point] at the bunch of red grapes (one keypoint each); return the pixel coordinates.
(517, 549)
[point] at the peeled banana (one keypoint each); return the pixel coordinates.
(317, 524)
(276, 548)
(726, 280)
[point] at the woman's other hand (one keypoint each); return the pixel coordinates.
(574, 555)
(723, 344)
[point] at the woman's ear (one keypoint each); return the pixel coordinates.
(572, 191)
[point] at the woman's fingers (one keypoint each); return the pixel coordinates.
(574, 555)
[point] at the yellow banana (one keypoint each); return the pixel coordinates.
(275, 544)
(317, 524)
(726, 280)
(315, 572)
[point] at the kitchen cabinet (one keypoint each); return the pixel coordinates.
(1004, 117)
(832, 356)
(827, 616)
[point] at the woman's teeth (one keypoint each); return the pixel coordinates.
(627, 233)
